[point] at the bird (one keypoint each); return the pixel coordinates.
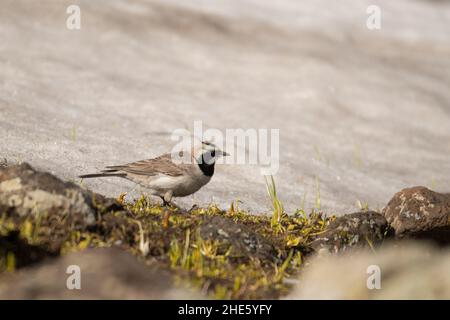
(167, 178)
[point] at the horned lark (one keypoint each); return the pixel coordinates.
(167, 178)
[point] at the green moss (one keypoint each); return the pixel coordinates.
(170, 238)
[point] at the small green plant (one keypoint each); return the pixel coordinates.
(280, 272)
(433, 183)
(276, 203)
(174, 253)
(302, 205)
(369, 242)
(143, 244)
(185, 259)
(73, 133)
(234, 207)
(10, 262)
(318, 153)
(363, 206)
(318, 200)
(320, 157)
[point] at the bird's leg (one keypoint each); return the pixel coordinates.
(166, 198)
(165, 204)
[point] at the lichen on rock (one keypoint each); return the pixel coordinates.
(359, 229)
(419, 212)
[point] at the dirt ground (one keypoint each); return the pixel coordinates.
(365, 112)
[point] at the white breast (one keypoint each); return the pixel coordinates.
(180, 185)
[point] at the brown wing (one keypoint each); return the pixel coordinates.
(150, 167)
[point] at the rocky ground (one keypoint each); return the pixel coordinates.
(141, 250)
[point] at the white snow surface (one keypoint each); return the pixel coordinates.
(365, 112)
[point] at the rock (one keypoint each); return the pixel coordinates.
(420, 213)
(409, 271)
(356, 229)
(105, 274)
(24, 253)
(243, 241)
(25, 191)
(3, 162)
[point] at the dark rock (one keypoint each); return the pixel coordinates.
(358, 229)
(105, 274)
(420, 213)
(25, 191)
(244, 243)
(3, 162)
(24, 253)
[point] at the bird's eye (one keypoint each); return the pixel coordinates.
(213, 153)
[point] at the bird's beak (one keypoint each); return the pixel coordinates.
(224, 154)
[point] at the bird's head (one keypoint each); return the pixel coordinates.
(208, 153)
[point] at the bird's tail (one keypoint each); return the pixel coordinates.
(104, 174)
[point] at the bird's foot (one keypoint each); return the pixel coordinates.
(165, 203)
(167, 198)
